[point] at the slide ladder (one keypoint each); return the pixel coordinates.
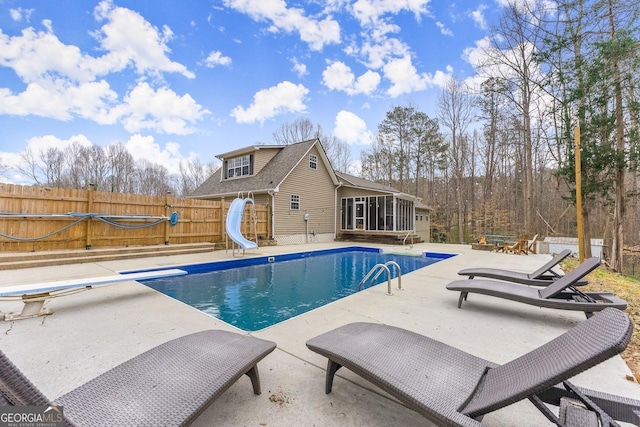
(234, 223)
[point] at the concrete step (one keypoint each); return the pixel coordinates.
(16, 260)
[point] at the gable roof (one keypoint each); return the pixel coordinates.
(269, 177)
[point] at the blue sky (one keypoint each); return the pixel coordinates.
(192, 79)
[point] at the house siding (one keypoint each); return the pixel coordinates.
(423, 224)
(317, 198)
(263, 156)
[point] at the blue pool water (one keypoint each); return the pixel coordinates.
(255, 293)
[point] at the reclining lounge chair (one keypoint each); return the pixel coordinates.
(171, 384)
(543, 276)
(451, 387)
(561, 294)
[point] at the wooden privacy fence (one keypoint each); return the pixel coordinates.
(40, 218)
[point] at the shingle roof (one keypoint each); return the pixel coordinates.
(275, 172)
(355, 181)
(268, 178)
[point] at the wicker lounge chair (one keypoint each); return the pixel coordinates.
(170, 384)
(543, 276)
(561, 294)
(451, 387)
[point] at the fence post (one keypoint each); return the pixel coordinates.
(167, 224)
(89, 237)
(223, 222)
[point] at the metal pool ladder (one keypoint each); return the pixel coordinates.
(378, 269)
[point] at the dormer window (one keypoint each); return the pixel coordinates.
(239, 166)
(313, 161)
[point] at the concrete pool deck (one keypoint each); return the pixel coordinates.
(92, 331)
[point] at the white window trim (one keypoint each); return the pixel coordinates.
(292, 202)
(313, 161)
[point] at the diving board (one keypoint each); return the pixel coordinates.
(34, 295)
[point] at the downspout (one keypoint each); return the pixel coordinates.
(336, 211)
(273, 212)
(413, 217)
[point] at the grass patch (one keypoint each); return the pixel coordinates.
(604, 279)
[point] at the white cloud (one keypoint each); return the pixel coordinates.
(351, 128)
(39, 56)
(299, 68)
(61, 100)
(283, 98)
(40, 144)
(338, 76)
(369, 12)
(478, 16)
(405, 78)
(62, 83)
(20, 14)
(443, 29)
(217, 58)
(129, 38)
(146, 148)
(476, 55)
(160, 110)
(378, 54)
(315, 32)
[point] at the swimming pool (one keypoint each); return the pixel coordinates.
(254, 293)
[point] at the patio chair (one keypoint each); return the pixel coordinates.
(561, 294)
(171, 384)
(519, 246)
(531, 246)
(543, 276)
(451, 387)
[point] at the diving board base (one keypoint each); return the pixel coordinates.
(33, 307)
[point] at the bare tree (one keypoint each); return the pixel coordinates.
(30, 167)
(153, 178)
(301, 129)
(3, 167)
(122, 169)
(338, 152)
(512, 59)
(53, 166)
(192, 174)
(455, 110)
(377, 161)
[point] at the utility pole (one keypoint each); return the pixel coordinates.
(576, 135)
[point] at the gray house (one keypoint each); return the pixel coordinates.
(310, 201)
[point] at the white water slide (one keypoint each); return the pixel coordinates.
(234, 221)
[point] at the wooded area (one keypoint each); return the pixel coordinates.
(33, 218)
(500, 158)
